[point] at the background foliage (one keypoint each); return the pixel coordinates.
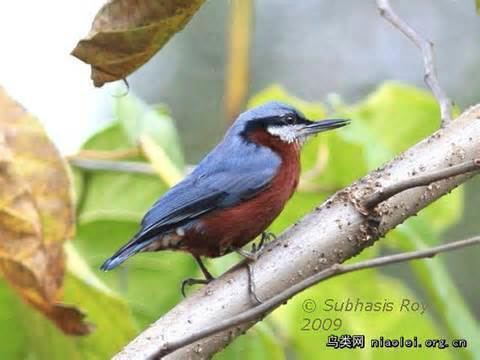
(122, 302)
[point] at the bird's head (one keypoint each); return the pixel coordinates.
(283, 122)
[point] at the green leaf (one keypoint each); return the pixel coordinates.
(477, 6)
(35, 336)
(298, 206)
(112, 207)
(138, 119)
(112, 137)
(160, 161)
(364, 287)
(15, 343)
(399, 115)
(150, 282)
(260, 343)
(112, 195)
(391, 119)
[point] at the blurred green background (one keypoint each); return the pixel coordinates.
(328, 59)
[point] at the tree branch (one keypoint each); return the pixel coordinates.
(117, 154)
(111, 165)
(426, 47)
(344, 231)
(337, 269)
(261, 310)
(377, 197)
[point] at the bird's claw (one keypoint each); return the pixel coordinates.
(191, 281)
(267, 236)
(251, 285)
(250, 256)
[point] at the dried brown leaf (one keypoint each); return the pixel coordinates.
(125, 34)
(36, 215)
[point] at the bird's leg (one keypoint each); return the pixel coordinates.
(252, 256)
(190, 281)
(251, 284)
(257, 250)
(204, 269)
(267, 236)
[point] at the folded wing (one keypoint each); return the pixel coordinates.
(213, 185)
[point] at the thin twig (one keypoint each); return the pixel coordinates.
(109, 165)
(118, 154)
(426, 47)
(421, 180)
(335, 270)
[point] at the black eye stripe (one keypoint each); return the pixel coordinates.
(289, 119)
(275, 120)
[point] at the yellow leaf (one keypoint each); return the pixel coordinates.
(237, 72)
(125, 34)
(36, 215)
(160, 161)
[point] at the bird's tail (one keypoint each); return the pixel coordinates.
(131, 248)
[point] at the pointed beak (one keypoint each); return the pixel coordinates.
(316, 127)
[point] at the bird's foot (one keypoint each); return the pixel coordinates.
(252, 256)
(204, 269)
(191, 281)
(257, 250)
(267, 236)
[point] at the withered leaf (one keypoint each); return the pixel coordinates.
(125, 34)
(36, 215)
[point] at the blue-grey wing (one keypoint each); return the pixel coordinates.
(191, 199)
(213, 185)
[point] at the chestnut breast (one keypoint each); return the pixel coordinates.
(217, 232)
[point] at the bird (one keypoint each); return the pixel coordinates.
(234, 193)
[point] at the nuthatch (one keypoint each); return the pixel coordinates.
(235, 192)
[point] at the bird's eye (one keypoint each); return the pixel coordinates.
(289, 119)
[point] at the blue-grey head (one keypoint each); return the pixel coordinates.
(282, 121)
